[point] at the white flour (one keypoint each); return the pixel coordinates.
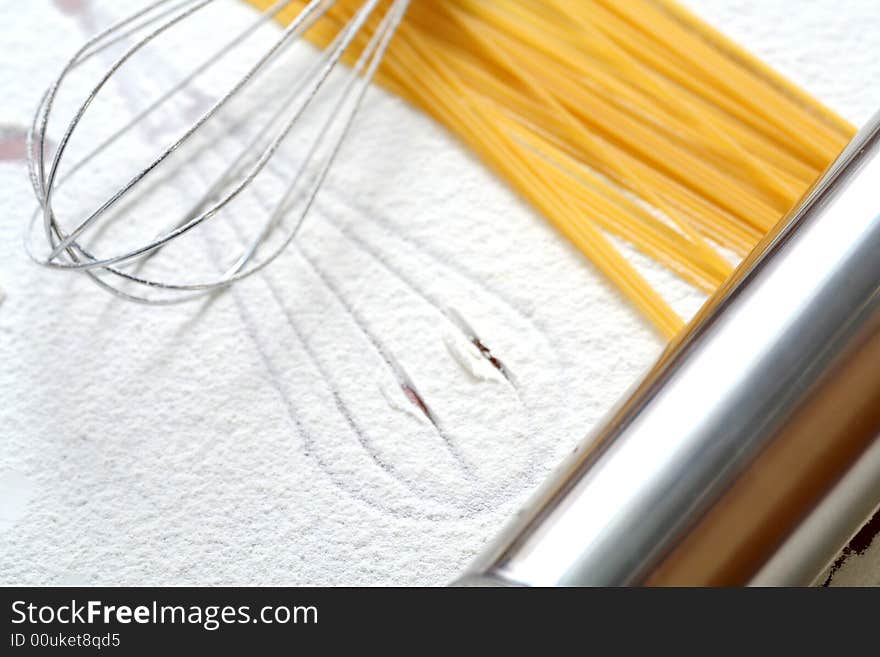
(262, 438)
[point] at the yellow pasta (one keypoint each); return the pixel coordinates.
(624, 117)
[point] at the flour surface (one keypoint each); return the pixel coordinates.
(264, 438)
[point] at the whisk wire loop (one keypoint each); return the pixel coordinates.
(67, 251)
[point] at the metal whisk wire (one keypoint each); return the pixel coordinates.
(67, 252)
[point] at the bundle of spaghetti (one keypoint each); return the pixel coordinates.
(627, 118)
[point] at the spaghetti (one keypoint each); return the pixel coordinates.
(632, 119)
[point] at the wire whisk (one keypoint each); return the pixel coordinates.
(268, 105)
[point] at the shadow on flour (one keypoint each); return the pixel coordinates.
(475, 478)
